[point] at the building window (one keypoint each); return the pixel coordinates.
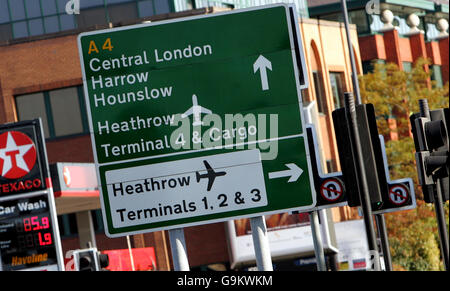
(62, 111)
(32, 106)
(319, 90)
(68, 223)
(436, 75)
(361, 19)
(91, 17)
(369, 66)
(65, 107)
(97, 220)
(24, 18)
(358, 17)
(5, 31)
(123, 12)
(407, 67)
(146, 8)
(337, 88)
(331, 166)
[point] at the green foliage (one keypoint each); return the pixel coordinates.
(413, 239)
(415, 247)
(395, 94)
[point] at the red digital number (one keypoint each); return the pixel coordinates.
(27, 224)
(35, 223)
(45, 222)
(32, 223)
(46, 240)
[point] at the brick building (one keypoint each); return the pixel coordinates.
(399, 32)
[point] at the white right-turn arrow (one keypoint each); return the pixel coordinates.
(294, 172)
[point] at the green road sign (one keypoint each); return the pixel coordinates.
(198, 119)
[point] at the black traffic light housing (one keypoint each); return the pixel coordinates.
(90, 260)
(86, 260)
(373, 161)
(401, 194)
(103, 260)
(431, 140)
(331, 189)
(325, 184)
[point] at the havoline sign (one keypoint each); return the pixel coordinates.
(198, 119)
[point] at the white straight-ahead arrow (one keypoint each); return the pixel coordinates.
(262, 64)
(294, 172)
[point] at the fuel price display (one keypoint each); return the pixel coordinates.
(29, 231)
(26, 234)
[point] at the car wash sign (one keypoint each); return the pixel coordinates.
(197, 119)
(21, 163)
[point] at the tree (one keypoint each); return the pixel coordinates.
(395, 94)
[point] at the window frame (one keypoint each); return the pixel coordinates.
(436, 75)
(407, 66)
(49, 113)
(68, 227)
(343, 89)
(322, 106)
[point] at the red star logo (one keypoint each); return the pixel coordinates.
(17, 154)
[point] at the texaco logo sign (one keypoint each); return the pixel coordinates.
(17, 154)
(21, 158)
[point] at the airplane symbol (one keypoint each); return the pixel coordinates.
(196, 110)
(211, 175)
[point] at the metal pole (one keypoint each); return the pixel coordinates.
(329, 237)
(381, 225)
(178, 247)
(261, 243)
(130, 252)
(440, 217)
(364, 194)
(57, 238)
(350, 51)
(365, 199)
(324, 227)
(317, 240)
(315, 227)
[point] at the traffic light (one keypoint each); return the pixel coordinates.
(371, 150)
(86, 259)
(90, 260)
(103, 260)
(431, 139)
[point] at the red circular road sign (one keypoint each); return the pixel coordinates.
(331, 189)
(398, 194)
(17, 154)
